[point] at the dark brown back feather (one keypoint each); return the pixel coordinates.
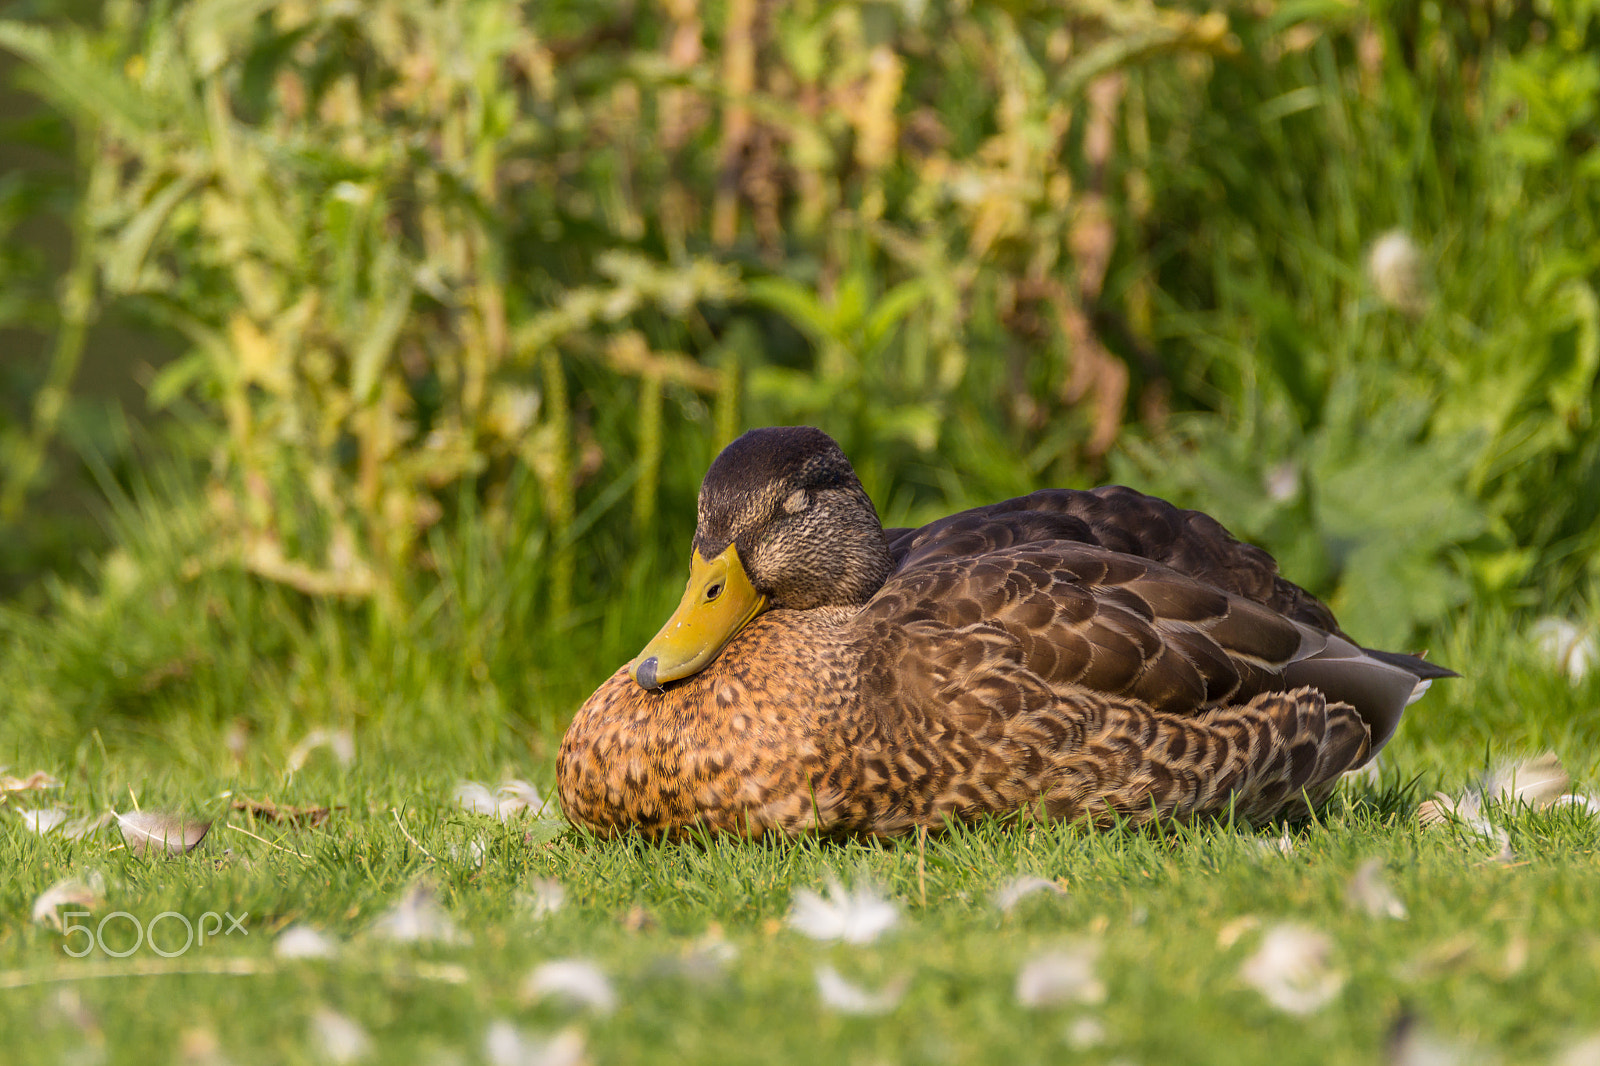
(1121, 520)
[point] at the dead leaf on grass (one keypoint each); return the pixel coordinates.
(37, 781)
(283, 814)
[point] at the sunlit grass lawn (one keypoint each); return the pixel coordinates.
(1497, 954)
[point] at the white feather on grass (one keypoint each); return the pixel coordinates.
(476, 797)
(55, 820)
(1536, 782)
(1282, 844)
(1085, 1032)
(506, 1045)
(338, 741)
(304, 942)
(337, 1038)
(1394, 264)
(417, 918)
(80, 827)
(1067, 974)
(577, 982)
(1369, 892)
(161, 832)
(516, 796)
(43, 821)
(847, 997)
(1443, 810)
(512, 798)
(1565, 646)
(469, 854)
(543, 897)
(1292, 969)
(855, 916)
(1582, 801)
(86, 892)
(1019, 888)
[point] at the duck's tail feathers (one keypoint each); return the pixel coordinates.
(1415, 664)
(1380, 685)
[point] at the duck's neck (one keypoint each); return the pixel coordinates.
(844, 568)
(867, 565)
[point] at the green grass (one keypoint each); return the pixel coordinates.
(1500, 955)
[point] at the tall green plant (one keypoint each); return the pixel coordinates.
(416, 244)
(1395, 350)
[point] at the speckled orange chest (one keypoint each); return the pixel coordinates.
(707, 751)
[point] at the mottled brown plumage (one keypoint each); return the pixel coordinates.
(1091, 655)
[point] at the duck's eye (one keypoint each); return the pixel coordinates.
(713, 591)
(796, 502)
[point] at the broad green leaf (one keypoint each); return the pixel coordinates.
(796, 302)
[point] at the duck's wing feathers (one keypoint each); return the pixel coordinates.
(1076, 614)
(1026, 621)
(1121, 520)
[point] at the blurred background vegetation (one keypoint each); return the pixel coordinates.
(372, 347)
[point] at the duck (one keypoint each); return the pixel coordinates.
(1095, 655)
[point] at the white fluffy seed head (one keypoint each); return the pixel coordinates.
(1394, 263)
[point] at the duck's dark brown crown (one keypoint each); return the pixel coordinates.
(806, 531)
(755, 472)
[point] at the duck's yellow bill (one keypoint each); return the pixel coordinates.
(717, 604)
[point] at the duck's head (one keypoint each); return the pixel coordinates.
(784, 522)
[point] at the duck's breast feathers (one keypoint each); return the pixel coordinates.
(1070, 613)
(1120, 520)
